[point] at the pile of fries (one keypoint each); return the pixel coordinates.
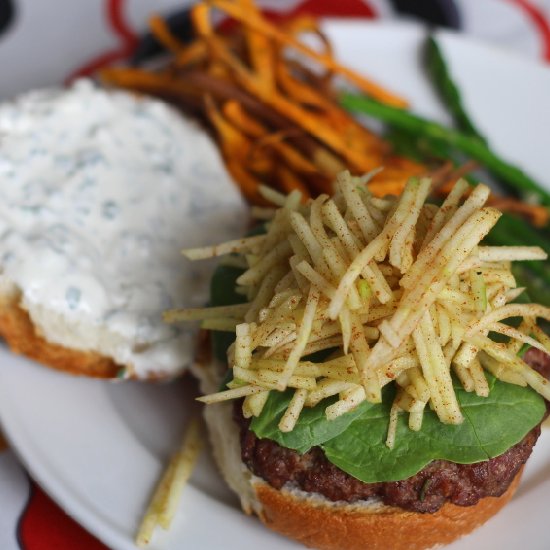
(398, 288)
(276, 117)
(272, 103)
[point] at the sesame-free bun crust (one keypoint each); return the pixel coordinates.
(319, 523)
(351, 527)
(19, 332)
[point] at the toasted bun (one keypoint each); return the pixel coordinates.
(327, 526)
(86, 267)
(319, 523)
(21, 335)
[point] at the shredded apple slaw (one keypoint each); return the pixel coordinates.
(397, 289)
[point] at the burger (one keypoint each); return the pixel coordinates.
(365, 386)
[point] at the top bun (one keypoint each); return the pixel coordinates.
(101, 190)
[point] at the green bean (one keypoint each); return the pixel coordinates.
(513, 231)
(447, 90)
(512, 176)
(419, 149)
(538, 290)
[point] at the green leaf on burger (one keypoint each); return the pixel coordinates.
(355, 442)
(222, 293)
(312, 428)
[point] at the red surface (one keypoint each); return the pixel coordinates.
(540, 22)
(115, 19)
(321, 8)
(44, 526)
(329, 8)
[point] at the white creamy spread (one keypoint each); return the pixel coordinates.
(99, 192)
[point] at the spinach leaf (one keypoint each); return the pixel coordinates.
(312, 428)
(491, 426)
(355, 442)
(222, 293)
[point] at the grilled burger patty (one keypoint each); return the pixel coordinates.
(439, 482)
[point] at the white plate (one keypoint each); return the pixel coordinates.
(98, 448)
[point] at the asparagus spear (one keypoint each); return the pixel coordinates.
(422, 149)
(517, 232)
(520, 232)
(510, 230)
(448, 91)
(537, 288)
(512, 176)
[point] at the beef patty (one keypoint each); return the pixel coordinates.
(439, 482)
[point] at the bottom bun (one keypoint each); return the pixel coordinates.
(319, 523)
(354, 527)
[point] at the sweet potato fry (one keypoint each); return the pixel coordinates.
(277, 119)
(260, 51)
(290, 181)
(234, 112)
(164, 35)
(194, 53)
(259, 23)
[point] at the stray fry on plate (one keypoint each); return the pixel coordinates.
(167, 495)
